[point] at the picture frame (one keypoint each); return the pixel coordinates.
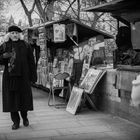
(91, 79)
(74, 100)
(97, 80)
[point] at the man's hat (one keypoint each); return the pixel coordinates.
(14, 28)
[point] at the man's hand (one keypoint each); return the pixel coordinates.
(6, 37)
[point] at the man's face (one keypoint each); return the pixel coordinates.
(14, 35)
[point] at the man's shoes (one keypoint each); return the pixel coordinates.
(15, 126)
(25, 122)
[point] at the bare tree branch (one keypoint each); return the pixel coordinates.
(69, 6)
(28, 12)
(73, 9)
(33, 6)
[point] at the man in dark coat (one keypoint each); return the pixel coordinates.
(36, 49)
(19, 72)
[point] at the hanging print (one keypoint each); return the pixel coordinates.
(59, 32)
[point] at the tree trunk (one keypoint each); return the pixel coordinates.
(78, 9)
(50, 11)
(40, 10)
(27, 12)
(30, 19)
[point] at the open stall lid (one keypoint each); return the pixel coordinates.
(84, 32)
(124, 10)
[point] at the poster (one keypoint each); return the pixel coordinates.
(87, 58)
(91, 79)
(59, 32)
(74, 100)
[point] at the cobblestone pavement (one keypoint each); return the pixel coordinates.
(49, 123)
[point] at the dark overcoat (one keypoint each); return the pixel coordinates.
(17, 78)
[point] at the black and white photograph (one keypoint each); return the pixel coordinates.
(69, 70)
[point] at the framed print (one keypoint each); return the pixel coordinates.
(97, 81)
(74, 100)
(91, 79)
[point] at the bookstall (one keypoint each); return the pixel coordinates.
(60, 41)
(123, 101)
(65, 46)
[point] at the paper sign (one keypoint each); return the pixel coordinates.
(59, 32)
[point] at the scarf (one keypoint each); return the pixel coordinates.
(14, 64)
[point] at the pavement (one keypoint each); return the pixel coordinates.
(49, 123)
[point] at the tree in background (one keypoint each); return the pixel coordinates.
(48, 10)
(2, 17)
(43, 8)
(28, 12)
